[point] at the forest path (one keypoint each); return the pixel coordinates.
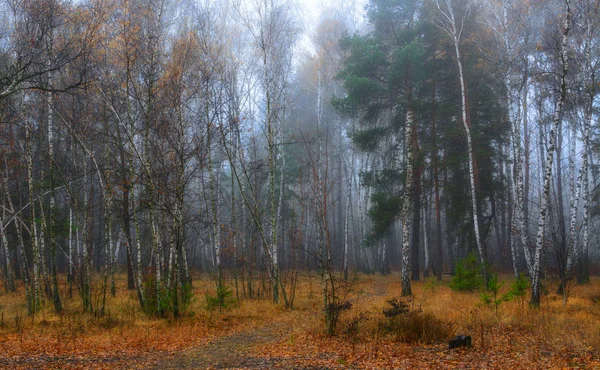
(233, 351)
(244, 349)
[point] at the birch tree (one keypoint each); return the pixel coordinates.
(507, 23)
(592, 22)
(453, 26)
(407, 203)
(272, 28)
(548, 163)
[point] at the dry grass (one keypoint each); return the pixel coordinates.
(126, 335)
(553, 336)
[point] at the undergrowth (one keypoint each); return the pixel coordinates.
(430, 317)
(412, 325)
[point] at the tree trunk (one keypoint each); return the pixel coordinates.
(467, 128)
(534, 272)
(436, 184)
(425, 215)
(584, 274)
(35, 297)
(407, 203)
(347, 212)
(8, 266)
(416, 215)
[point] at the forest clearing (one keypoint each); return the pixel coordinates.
(305, 184)
(257, 334)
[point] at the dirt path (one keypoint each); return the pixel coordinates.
(231, 351)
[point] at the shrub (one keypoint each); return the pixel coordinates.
(222, 299)
(467, 274)
(422, 328)
(151, 294)
(518, 290)
(413, 325)
(332, 313)
(432, 283)
(172, 301)
(396, 308)
(187, 295)
(491, 297)
(351, 330)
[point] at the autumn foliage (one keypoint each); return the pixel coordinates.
(379, 331)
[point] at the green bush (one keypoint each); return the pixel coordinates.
(518, 290)
(151, 295)
(187, 295)
(491, 297)
(467, 274)
(171, 301)
(221, 300)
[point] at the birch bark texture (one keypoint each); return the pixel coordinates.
(407, 201)
(543, 214)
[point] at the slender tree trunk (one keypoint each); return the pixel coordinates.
(138, 247)
(85, 239)
(9, 269)
(527, 156)
(513, 92)
(467, 128)
(213, 186)
(425, 215)
(70, 272)
(26, 271)
(562, 246)
(575, 189)
(584, 274)
(416, 213)
(53, 261)
(347, 212)
(436, 184)
(35, 296)
(279, 220)
(273, 200)
(234, 226)
(535, 271)
(407, 203)
(8, 266)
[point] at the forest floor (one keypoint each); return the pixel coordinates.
(257, 334)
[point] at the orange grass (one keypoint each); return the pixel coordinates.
(554, 335)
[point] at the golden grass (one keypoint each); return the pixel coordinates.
(125, 331)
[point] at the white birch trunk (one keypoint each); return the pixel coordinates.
(50, 103)
(575, 194)
(271, 163)
(138, 248)
(513, 95)
(534, 272)
(36, 296)
(407, 203)
(213, 185)
(347, 212)
(426, 236)
(447, 22)
(470, 151)
(85, 265)
(591, 83)
(279, 204)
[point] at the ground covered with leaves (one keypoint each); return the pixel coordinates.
(379, 330)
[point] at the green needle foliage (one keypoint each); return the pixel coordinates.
(467, 275)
